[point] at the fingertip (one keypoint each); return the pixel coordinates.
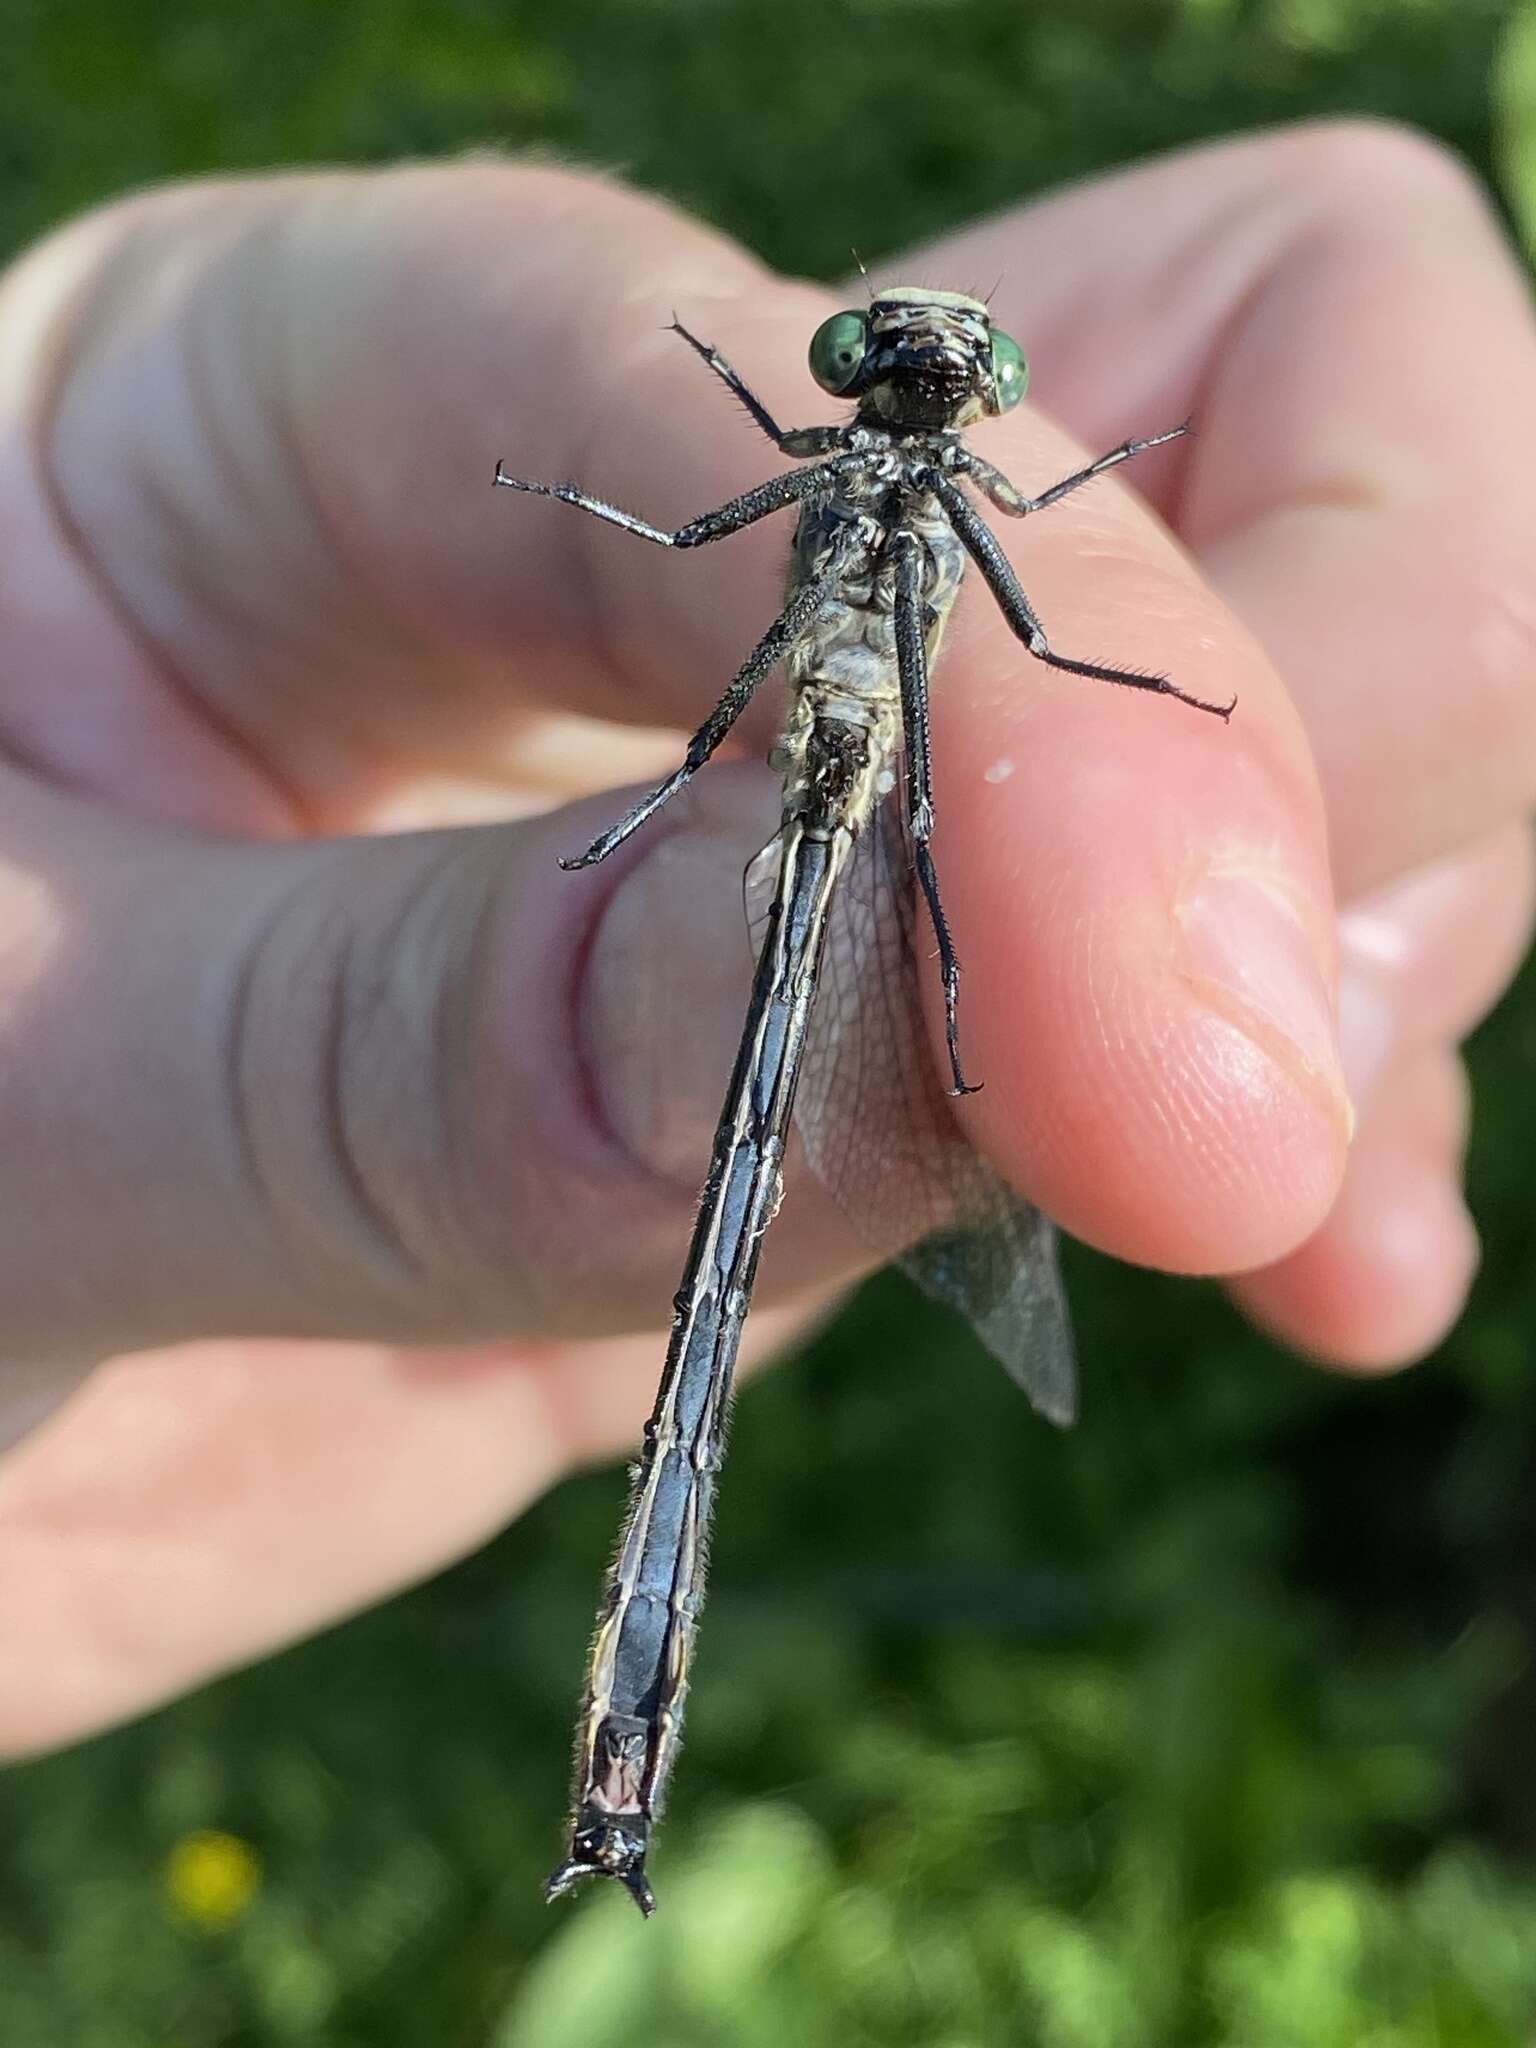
(1198, 1152)
(1373, 1297)
(1153, 1002)
(1385, 1278)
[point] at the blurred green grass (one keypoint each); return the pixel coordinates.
(1208, 1725)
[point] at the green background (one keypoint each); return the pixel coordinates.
(1209, 1724)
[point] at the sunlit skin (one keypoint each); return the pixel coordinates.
(254, 596)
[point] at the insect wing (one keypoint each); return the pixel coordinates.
(878, 1130)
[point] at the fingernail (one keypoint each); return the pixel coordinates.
(1367, 1033)
(1373, 949)
(1246, 948)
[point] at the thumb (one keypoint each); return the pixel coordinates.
(397, 1087)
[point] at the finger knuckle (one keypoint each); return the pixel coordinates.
(1386, 168)
(1367, 158)
(342, 1032)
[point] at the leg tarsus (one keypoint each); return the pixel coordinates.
(1127, 678)
(1008, 498)
(572, 494)
(949, 969)
(615, 836)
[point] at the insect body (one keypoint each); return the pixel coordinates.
(885, 530)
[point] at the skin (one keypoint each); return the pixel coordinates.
(372, 1100)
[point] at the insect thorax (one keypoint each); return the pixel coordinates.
(845, 658)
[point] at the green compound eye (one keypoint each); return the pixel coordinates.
(1010, 372)
(837, 350)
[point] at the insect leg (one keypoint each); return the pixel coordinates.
(768, 652)
(1007, 497)
(731, 517)
(794, 441)
(981, 543)
(912, 667)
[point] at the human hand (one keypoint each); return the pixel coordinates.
(379, 1101)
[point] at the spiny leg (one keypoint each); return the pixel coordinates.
(731, 517)
(1007, 496)
(794, 441)
(982, 544)
(765, 656)
(912, 667)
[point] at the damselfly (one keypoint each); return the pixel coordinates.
(884, 531)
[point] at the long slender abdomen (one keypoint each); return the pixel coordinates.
(638, 1676)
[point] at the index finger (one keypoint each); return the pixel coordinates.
(1140, 897)
(1337, 307)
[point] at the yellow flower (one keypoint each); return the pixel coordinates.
(211, 1877)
